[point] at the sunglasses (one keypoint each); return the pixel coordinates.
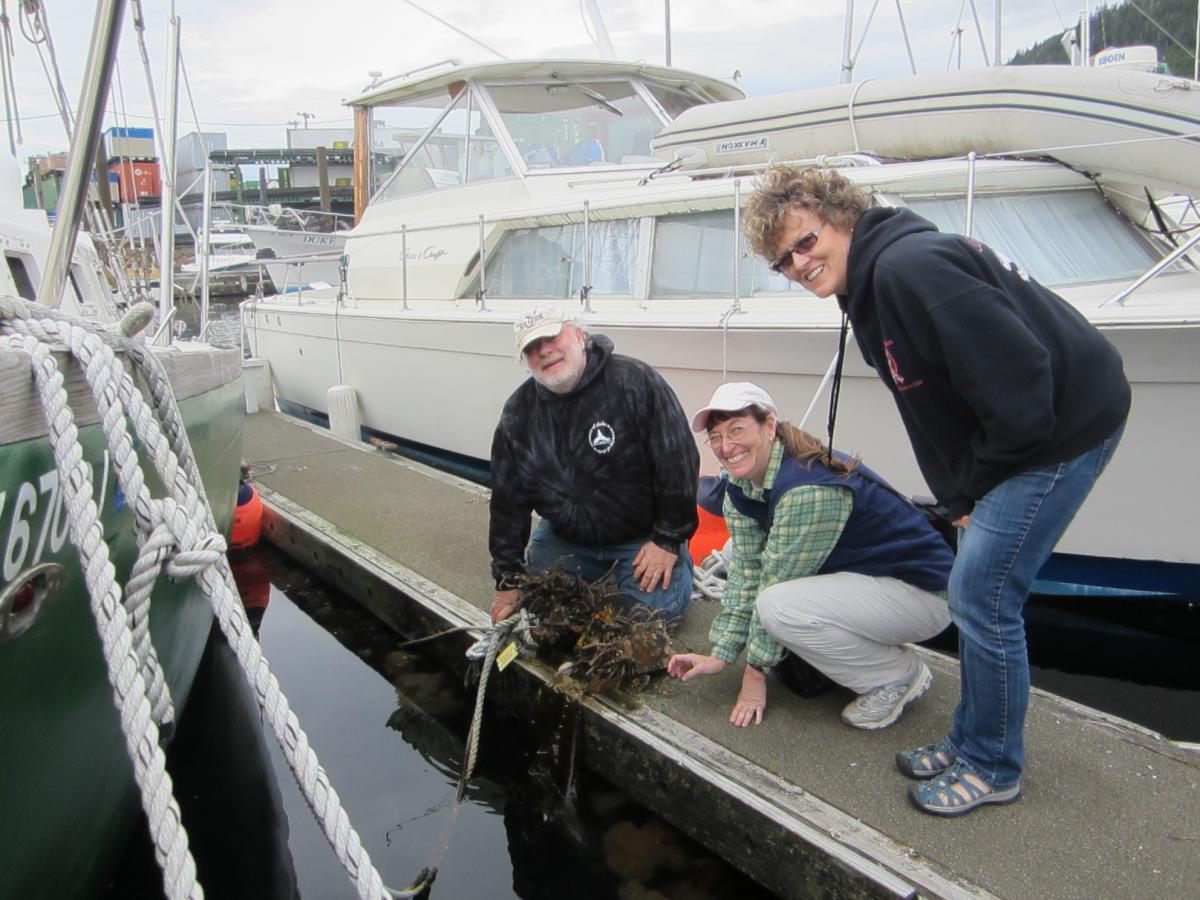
(803, 247)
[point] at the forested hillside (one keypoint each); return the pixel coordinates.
(1126, 23)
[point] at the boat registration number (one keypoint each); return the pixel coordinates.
(34, 521)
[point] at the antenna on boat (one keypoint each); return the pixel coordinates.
(997, 59)
(848, 58)
(667, 28)
(599, 33)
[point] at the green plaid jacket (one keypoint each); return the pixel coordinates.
(808, 522)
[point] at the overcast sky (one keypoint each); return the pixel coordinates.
(254, 66)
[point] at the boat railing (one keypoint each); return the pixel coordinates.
(377, 82)
(1119, 298)
(287, 218)
(677, 167)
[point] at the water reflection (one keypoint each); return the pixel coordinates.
(389, 728)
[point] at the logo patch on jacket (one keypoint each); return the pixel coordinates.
(902, 383)
(1011, 264)
(601, 437)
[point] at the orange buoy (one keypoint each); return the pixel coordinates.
(710, 535)
(247, 518)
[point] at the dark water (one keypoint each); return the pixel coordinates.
(388, 727)
(224, 327)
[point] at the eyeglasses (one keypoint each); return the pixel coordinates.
(803, 247)
(735, 433)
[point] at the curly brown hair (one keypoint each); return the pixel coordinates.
(782, 188)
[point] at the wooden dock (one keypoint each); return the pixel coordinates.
(802, 804)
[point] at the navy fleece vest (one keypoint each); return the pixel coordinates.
(885, 536)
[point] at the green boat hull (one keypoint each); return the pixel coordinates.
(68, 801)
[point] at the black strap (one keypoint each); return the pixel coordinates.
(835, 391)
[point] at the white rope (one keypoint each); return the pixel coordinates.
(708, 578)
(177, 533)
(490, 644)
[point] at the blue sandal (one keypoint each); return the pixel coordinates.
(953, 794)
(928, 761)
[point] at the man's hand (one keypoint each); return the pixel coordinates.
(504, 604)
(686, 666)
(961, 521)
(652, 565)
(752, 701)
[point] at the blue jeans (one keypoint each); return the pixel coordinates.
(546, 549)
(1012, 531)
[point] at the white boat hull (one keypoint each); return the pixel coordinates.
(284, 243)
(442, 380)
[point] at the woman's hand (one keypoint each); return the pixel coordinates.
(752, 701)
(686, 666)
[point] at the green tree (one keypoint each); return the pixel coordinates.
(1153, 22)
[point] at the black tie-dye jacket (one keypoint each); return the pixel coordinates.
(611, 462)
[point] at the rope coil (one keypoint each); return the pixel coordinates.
(178, 534)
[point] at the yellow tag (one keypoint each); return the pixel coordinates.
(507, 655)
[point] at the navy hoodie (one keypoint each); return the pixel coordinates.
(993, 374)
(611, 462)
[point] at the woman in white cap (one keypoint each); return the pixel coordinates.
(829, 562)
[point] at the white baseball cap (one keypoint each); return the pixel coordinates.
(733, 396)
(542, 321)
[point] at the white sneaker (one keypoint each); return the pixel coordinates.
(882, 706)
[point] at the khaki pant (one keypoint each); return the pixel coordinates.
(853, 627)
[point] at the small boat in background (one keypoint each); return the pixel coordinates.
(232, 270)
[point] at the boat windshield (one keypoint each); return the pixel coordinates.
(1058, 237)
(552, 123)
(461, 149)
(577, 123)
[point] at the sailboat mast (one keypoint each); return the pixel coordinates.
(102, 56)
(166, 262)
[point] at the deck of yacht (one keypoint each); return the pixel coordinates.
(802, 804)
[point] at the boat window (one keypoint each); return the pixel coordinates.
(484, 159)
(1058, 237)
(548, 262)
(693, 257)
(410, 166)
(566, 123)
(20, 276)
(673, 100)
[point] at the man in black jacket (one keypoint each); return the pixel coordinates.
(1013, 403)
(597, 444)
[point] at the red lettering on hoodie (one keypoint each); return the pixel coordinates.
(902, 383)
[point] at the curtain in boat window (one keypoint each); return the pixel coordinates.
(548, 263)
(693, 257)
(1060, 237)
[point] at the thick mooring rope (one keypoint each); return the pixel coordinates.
(708, 578)
(490, 643)
(177, 533)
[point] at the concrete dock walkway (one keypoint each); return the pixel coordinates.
(802, 803)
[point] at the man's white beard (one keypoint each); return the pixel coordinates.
(567, 377)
